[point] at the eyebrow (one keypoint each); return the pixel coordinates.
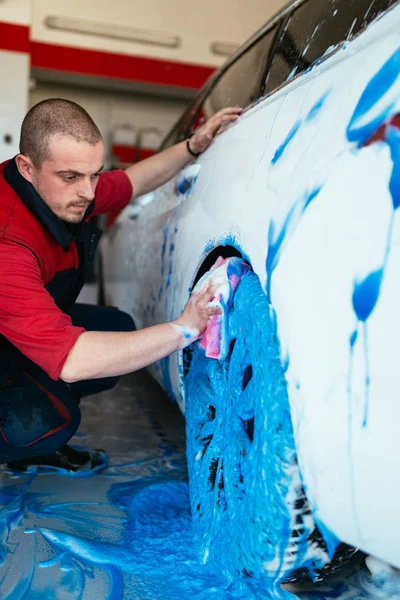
(72, 172)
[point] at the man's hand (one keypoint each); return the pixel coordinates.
(203, 137)
(151, 173)
(193, 321)
(108, 354)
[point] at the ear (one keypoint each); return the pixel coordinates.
(25, 166)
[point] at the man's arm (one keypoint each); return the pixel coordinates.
(98, 354)
(151, 173)
(32, 322)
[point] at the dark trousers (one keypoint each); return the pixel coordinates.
(39, 415)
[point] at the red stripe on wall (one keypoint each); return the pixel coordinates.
(124, 152)
(119, 66)
(146, 153)
(102, 64)
(130, 154)
(14, 37)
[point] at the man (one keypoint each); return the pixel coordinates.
(53, 351)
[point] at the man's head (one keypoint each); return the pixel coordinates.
(61, 154)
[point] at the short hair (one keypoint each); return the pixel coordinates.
(55, 116)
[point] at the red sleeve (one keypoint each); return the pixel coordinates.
(113, 192)
(29, 317)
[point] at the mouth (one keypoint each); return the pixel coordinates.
(79, 206)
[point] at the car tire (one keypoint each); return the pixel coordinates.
(249, 507)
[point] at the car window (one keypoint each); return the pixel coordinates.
(172, 137)
(179, 131)
(314, 29)
(241, 83)
(371, 9)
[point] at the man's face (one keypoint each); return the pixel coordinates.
(66, 182)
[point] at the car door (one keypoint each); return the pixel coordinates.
(331, 223)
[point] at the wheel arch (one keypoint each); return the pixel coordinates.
(212, 253)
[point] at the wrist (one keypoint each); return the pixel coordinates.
(188, 335)
(192, 150)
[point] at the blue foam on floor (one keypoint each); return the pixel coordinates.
(123, 533)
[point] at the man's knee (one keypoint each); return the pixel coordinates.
(33, 442)
(55, 441)
(123, 321)
(58, 439)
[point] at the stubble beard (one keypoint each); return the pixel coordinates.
(65, 216)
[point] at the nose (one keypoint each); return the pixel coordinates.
(86, 189)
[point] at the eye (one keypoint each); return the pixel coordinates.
(96, 176)
(69, 178)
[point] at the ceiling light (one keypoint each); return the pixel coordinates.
(129, 34)
(223, 48)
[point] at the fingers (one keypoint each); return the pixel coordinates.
(208, 293)
(214, 310)
(224, 116)
(203, 290)
(207, 297)
(205, 134)
(217, 122)
(228, 114)
(201, 307)
(230, 110)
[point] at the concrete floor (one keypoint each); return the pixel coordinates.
(136, 421)
(143, 433)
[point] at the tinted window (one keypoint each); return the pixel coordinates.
(179, 131)
(241, 84)
(172, 137)
(372, 10)
(314, 29)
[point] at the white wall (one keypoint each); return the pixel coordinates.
(15, 11)
(197, 23)
(14, 78)
(14, 74)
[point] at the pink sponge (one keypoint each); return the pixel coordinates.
(226, 274)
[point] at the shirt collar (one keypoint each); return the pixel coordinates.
(29, 196)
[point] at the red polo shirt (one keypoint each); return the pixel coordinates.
(29, 317)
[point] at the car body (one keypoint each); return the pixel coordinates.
(306, 187)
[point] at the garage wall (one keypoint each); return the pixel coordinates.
(14, 72)
(15, 11)
(109, 40)
(196, 24)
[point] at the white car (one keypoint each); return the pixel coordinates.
(293, 440)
